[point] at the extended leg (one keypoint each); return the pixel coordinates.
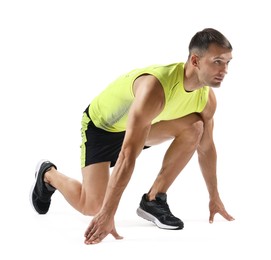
(86, 197)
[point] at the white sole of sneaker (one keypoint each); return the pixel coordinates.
(33, 186)
(143, 214)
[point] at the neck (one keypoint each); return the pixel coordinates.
(191, 81)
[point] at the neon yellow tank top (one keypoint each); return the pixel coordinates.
(109, 110)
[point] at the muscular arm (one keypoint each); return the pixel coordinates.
(206, 149)
(208, 160)
(148, 103)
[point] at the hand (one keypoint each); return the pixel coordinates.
(216, 206)
(100, 226)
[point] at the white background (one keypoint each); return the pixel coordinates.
(55, 56)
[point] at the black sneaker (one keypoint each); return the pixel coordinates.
(41, 192)
(158, 212)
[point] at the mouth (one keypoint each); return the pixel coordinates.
(219, 79)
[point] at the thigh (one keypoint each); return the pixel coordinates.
(99, 145)
(168, 130)
(95, 180)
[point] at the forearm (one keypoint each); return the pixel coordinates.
(119, 179)
(208, 164)
(148, 103)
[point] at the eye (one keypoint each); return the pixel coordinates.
(218, 62)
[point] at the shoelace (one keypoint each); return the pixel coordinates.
(163, 206)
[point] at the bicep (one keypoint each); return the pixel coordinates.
(148, 103)
(208, 119)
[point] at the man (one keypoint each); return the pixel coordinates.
(142, 108)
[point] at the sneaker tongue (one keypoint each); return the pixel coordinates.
(161, 197)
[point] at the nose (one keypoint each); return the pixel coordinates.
(224, 69)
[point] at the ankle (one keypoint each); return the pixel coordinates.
(48, 174)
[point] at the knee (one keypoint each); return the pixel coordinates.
(198, 128)
(87, 211)
(91, 209)
(194, 132)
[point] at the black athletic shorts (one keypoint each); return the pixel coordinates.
(99, 145)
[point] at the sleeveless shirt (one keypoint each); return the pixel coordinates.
(109, 110)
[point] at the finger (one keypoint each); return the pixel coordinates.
(89, 231)
(94, 239)
(91, 241)
(115, 234)
(227, 216)
(211, 218)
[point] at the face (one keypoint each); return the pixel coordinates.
(213, 65)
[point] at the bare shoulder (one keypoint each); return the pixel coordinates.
(149, 99)
(148, 87)
(210, 108)
(147, 82)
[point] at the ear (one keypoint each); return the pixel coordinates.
(194, 59)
